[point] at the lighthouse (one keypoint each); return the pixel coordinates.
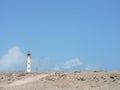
(28, 62)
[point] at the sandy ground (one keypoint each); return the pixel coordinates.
(94, 80)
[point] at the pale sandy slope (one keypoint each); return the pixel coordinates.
(26, 80)
(97, 80)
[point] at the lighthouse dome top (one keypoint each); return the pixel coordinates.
(28, 53)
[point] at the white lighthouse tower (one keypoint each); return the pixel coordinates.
(28, 62)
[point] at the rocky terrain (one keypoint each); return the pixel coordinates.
(94, 80)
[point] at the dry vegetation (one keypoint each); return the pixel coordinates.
(94, 80)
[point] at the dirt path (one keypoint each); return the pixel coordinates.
(26, 80)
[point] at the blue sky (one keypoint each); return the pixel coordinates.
(62, 30)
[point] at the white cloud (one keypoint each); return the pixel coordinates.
(88, 67)
(13, 60)
(73, 64)
(57, 68)
(70, 64)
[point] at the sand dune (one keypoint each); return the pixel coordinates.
(94, 80)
